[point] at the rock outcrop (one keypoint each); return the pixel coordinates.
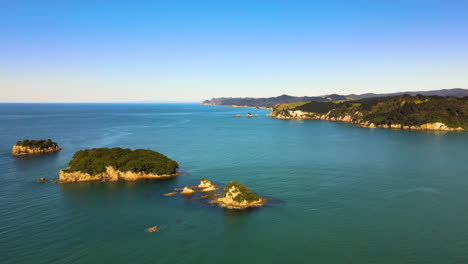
(109, 175)
(24, 150)
(41, 180)
(237, 196)
(206, 185)
(187, 190)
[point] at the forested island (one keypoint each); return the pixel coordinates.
(34, 147)
(113, 164)
(401, 112)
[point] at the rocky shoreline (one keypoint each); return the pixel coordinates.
(109, 175)
(22, 150)
(299, 115)
(229, 203)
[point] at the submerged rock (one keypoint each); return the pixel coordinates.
(41, 180)
(152, 229)
(170, 194)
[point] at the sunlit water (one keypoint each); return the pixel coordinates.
(340, 194)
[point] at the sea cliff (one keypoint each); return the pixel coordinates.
(27, 147)
(354, 119)
(110, 174)
(113, 164)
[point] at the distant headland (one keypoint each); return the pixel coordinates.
(401, 112)
(113, 164)
(283, 99)
(27, 146)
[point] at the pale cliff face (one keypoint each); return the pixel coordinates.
(21, 150)
(109, 175)
(296, 114)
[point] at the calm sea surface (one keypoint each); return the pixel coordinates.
(339, 194)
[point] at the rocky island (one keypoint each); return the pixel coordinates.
(237, 196)
(418, 112)
(113, 164)
(26, 147)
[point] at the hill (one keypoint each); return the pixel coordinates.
(283, 99)
(404, 111)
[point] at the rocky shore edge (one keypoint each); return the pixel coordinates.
(109, 175)
(22, 150)
(298, 115)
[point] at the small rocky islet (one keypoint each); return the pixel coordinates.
(118, 164)
(234, 195)
(27, 147)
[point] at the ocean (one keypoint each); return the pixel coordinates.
(338, 194)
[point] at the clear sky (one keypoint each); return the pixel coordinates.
(103, 51)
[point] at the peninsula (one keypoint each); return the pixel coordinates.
(34, 147)
(418, 112)
(113, 164)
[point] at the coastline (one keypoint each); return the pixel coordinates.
(299, 115)
(110, 175)
(22, 150)
(240, 106)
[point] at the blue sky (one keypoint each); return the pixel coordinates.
(104, 51)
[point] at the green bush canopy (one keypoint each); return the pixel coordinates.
(244, 193)
(95, 161)
(42, 144)
(405, 110)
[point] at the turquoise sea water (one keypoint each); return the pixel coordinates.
(340, 194)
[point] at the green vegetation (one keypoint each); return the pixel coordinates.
(403, 110)
(244, 193)
(42, 144)
(95, 161)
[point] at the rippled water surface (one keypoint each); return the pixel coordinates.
(341, 194)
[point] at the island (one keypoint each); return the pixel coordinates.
(237, 196)
(114, 164)
(417, 112)
(27, 146)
